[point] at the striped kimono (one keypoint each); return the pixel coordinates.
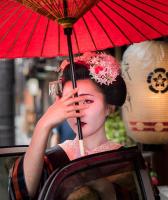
(53, 159)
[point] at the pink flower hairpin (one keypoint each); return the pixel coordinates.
(103, 68)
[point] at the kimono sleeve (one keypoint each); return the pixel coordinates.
(53, 159)
(17, 186)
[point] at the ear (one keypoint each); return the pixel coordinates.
(110, 109)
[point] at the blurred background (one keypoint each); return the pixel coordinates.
(24, 97)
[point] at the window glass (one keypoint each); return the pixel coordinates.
(109, 181)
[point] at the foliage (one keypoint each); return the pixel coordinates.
(116, 131)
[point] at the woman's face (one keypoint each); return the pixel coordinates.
(95, 115)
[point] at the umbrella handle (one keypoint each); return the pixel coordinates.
(68, 33)
(81, 148)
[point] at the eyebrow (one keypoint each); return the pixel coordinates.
(85, 94)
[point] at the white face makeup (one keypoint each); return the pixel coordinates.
(94, 116)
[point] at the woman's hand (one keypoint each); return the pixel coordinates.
(62, 109)
(65, 107)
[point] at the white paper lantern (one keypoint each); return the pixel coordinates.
(145, 71)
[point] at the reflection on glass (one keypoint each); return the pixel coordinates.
(107, 182)
(119, 186)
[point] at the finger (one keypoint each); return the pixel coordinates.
(75, 114)
(75, 100)
(77, 107)
(70, 94)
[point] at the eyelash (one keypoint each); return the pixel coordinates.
(87, 101)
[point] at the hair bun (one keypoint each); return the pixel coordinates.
(115, 93)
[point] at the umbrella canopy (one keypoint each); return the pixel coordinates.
(25, 33)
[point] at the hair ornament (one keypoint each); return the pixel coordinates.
(103, 68)
(55, 87)
(62, 66)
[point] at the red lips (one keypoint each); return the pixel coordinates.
(82, 124)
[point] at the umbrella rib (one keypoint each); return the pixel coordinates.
(57, 8)
(103, 28)
(139, 19)
(31, 35)
(8, 8)
(17, 36)
(4, 3)
(70, 9)
(44, 39)
(89, 33)
(10, 28)
(36, 6)
(114, 23)
(77, 44)
(139, 31)
(11, 15)
(164, 4)
(59, 46)
(76, 40)
(50, 6)
(153, 7)
(77, 7)
(147, 14)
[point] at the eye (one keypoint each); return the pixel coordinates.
(88, 101)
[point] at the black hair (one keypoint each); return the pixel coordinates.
(115, 93)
